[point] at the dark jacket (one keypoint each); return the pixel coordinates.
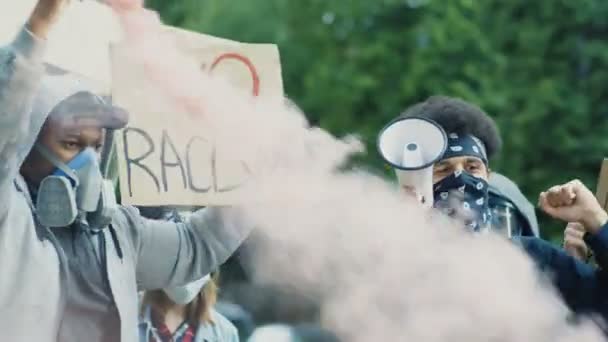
(583, 287)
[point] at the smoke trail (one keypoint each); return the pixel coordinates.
(385, 269)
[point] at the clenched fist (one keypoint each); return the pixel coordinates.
(45, 14)
(573, 202)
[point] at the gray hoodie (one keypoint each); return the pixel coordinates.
(145, 254)
(503, 186)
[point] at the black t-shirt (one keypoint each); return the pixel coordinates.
(91, 314)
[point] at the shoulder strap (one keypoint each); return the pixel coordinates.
(115, 241)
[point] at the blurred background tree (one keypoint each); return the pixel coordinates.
(537, 67)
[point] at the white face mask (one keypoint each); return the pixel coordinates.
(183, 295)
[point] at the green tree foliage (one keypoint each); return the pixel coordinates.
(538, 67)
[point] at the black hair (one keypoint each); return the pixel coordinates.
(455, 115)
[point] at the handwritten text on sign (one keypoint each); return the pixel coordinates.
(169, 159)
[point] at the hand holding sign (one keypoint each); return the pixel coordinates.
(125, 5)
(45, 14)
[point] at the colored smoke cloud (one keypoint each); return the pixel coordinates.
(384, 269)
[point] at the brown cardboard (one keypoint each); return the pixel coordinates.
(602, 185)
(214, 174)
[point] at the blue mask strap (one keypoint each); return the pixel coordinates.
(53, 159)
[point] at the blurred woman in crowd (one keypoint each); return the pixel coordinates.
(185, 314)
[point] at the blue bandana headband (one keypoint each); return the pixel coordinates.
(465, 145)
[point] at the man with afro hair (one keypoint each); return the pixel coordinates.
(470, 128)
(460, 184)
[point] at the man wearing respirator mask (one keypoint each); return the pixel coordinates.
(461, 187)
(73, 259)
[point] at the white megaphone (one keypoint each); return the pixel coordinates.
(411, 146)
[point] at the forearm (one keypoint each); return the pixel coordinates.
(44, 15)
(20, 71)
(576, 281)
(174, 254)
(21, 68)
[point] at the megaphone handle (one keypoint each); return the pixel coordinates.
(410, 190)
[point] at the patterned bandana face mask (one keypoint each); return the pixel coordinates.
(466, 196)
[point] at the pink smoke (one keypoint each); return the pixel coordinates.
(143, 32)
(385, 269)
(125, 5)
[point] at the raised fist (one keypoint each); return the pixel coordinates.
(573, 202)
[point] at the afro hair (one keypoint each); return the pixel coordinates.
(457, 116)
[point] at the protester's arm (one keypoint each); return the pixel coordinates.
(20, 65)
(581, 285)
(170, 254)
(20, 71)
(584, 287)
(44, 16)
(573, 202)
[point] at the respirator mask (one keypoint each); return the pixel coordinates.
(75, 192)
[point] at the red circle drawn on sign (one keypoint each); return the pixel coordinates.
(254, 73)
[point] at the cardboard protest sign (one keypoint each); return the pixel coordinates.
(602, 185)
(79, 42)
(168, 158)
